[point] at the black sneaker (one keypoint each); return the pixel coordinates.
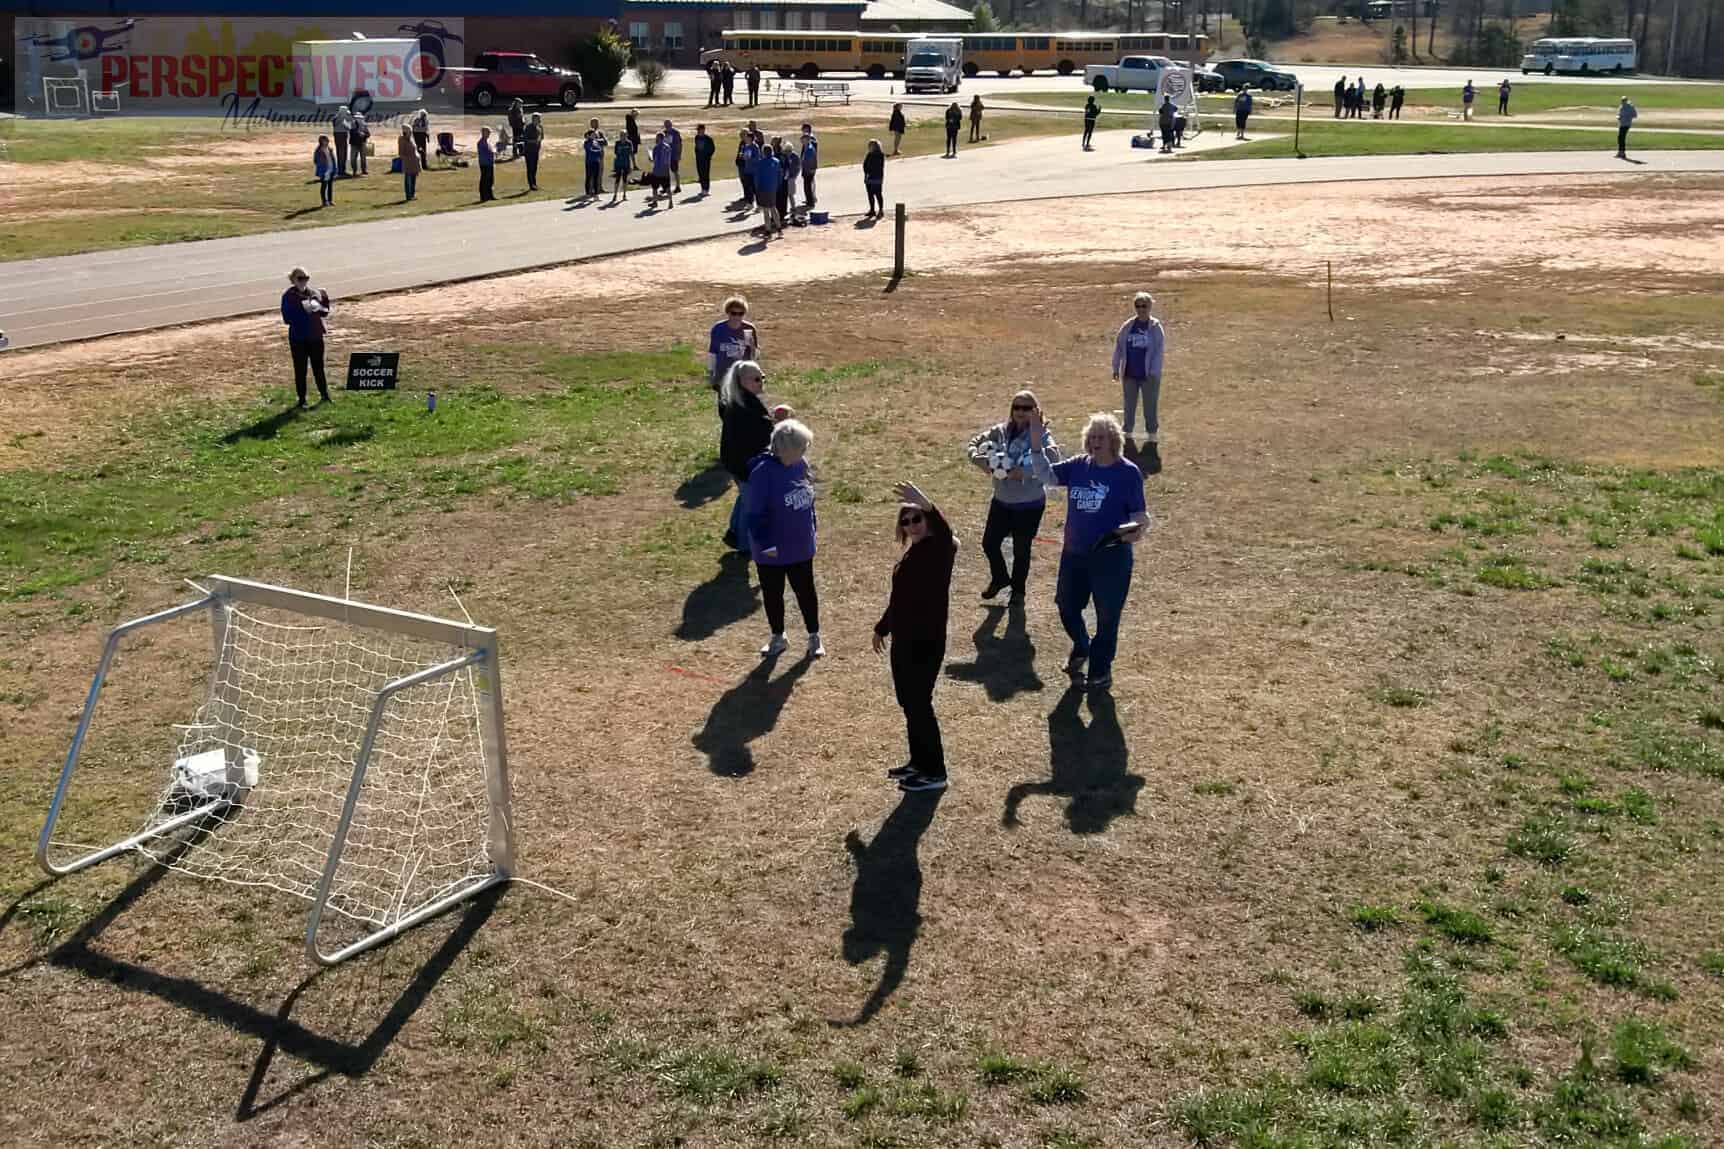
(1075, 664)
(730, 540)
(993, 589)
(1104, 682)
(1151, 459)
(919, 783)
(904, 771)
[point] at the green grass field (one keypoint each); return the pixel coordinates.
(1324, 137)
(1526, 99)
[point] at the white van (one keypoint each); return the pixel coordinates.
(933, 64)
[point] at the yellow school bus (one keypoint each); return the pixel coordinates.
(799, 53)
(1191, 49)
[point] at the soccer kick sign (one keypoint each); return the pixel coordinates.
(373, 370)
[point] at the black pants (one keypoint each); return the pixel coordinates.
(712, 96)
(308, 353)
(876, 196)
(808, 189)
(783, 198)
(487, 182)
(422, 141)
(801, 577)
(1019, 521)
(915, 669)
(327, 184)
(753, 94)
(952, 140)
(703, 171)
(341, 153)
(532, 167)
(1622, 140)
(1239, 119)
(1088, 131)
(595, 178)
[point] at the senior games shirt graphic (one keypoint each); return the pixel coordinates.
(1089, 499)
(248, 69)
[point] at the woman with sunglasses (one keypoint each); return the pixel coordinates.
(781, 533)
(1105, 514)
(915, 625)
(1003, 451)
(733, 339)
(1137, 351)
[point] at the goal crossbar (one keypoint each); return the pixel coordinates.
(478, 660)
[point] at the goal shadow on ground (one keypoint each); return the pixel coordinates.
(278, 1031)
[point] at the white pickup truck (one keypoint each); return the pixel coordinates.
(1132, 73)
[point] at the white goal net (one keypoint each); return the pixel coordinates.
(1177, 84)
(343, 753)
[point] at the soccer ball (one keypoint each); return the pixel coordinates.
(999, 464)
(311, 304)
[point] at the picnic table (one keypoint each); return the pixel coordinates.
(816, 92)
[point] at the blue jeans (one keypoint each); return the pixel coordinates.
(1104, 575)
(739, 517)
(409, 181)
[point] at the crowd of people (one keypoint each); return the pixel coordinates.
(764, 447)
(1351, 100)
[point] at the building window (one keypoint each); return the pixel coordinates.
(673, 35)
(817, 20)
(793, 20)
(768, 17)
(639, 34)
(743, 18)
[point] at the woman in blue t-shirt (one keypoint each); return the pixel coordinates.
(1105, 515)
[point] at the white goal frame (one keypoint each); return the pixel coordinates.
(77, 85)
(1180, 83)
(480, 645)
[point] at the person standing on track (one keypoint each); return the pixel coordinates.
(1625, 114)
(304, 309)
(674, 139)
(1091, 112)
(874, 180)
(746, 154)
(810, 157)
(593, 149)
(1164, 116)
(622, 162)
(632, 128)
(704, 147)
(954, 121)
(897, 126)
(1105, 515)
(1019, 497)
(1242, 111)
(781, 533)
(733, 340)
(1137, 355)
(658, 172)
(768, 176)
(914, 625)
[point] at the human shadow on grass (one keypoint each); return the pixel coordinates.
(703, 487)
(885, 902)
(275, 1028)
(1089, 766)
(1005, 664)
(724, 598)
(744, 713)
(265, 428)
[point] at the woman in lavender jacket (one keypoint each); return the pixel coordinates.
(781, 533)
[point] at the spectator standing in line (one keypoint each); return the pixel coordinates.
(810, 157)
(1503, 90)
(304, 309)
(768, 176)
(517, 127)
(781, 533)
(361, 141)
(745, 166)
(704, 148)
(1137, 355)
(533, 139)
(1105, 515)
(1019, 499)
(727, 73)
(674, 139)
(753, 77)
(421, 123)
(1242, 112)
(976, 118)
(487, 167)
(407, 149)
(745, 431)
(789, 167)
(915, 626)
(1359, 98)
(1467, 94)
(632, 128)
(874, 180)
(622, 162)
(342, 122)
(1178, 128)
(1379, 97)
(715, 81)
(593, 150)
(897, 126)
(323, 163)
(954, 121)
(1625, 114)
(1164, 117)
(732, 340)
(659, 171)
(1091, 112)
(1340, 96)
(1396, 98)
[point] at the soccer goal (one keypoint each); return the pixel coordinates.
(348, 754)
(65, 96)
(1178, 83)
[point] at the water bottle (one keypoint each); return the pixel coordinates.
(430, 402)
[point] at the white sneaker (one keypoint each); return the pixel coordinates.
(816, 648)
(776, 646)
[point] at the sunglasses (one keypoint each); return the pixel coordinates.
(1142, 306)
(910, 520)
(736, 314)
(1023, 407)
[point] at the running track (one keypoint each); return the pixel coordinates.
(103, 293)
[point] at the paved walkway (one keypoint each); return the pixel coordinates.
(103, 293)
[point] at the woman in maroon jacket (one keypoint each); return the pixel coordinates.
(915, 623)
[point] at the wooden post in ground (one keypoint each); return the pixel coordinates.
(898, 245)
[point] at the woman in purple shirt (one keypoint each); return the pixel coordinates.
(1137, 352)
(1105, 515)
(781, 533)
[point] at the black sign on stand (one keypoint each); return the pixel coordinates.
(373, 370)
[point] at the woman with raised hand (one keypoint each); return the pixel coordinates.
(915, 626)
(1105, 515)
(781, 532)
(1020, 499)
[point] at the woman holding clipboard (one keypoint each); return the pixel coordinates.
(1105, 515)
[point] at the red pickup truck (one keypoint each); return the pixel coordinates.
(505, 76)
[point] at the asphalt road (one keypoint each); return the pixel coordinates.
(102, 293)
